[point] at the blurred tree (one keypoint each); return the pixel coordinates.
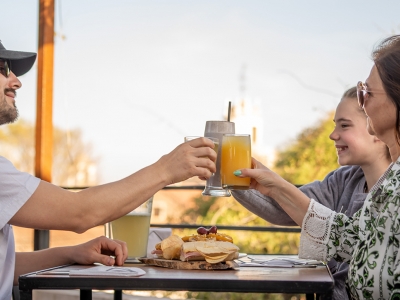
(243, 296)
(310, 157)
(73, 162)
(17, 145)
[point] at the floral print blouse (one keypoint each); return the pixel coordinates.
(369, 240)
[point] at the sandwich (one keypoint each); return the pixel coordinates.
(211, 251)
(212, 247)
(169, 248)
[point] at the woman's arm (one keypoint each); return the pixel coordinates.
(263, 206)
(335, 191)
(289, 197)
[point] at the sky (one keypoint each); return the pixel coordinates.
(137, 76)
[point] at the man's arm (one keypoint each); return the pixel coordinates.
(51, 207)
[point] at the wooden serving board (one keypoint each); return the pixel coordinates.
(188, 265)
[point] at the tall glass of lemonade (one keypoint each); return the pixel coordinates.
(235, 154)
(133, 229)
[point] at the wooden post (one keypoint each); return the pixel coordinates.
(44, 103)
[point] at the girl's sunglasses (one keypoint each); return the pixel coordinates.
(5, 67)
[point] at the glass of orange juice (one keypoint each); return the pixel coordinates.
(235, 154)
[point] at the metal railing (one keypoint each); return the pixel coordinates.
(42, 238)
(229, 227)
(224, 227)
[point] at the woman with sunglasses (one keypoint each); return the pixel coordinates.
(369, 240)
(364, 159)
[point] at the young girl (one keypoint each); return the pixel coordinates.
(364, 159)
(369, 240)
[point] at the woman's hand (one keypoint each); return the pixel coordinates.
(262, 178)
(100, 250)
(289, 197)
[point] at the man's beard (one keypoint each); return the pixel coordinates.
(8, 114)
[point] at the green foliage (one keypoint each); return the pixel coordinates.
(310, 157)
(224, 295)
(201, 206)
(242, 296)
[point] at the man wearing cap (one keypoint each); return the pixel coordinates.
(27, 201)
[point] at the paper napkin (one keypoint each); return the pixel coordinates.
(105, 271)
(278, 262)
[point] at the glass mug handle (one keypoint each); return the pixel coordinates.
(108, 230)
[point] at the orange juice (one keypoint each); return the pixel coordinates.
(235, 154)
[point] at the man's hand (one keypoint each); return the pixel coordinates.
(100, 250)
(193, 158)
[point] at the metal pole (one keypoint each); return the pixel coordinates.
(44, 114)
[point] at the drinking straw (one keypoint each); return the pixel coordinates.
(229, 111)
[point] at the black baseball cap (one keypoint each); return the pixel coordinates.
(21, 62)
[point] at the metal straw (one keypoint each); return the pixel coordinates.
(229, 111)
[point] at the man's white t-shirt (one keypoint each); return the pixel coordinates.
(15, 189)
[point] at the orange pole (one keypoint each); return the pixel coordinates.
(44, 104)
(44, 113)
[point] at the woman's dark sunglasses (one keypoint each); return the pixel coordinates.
(5, 67)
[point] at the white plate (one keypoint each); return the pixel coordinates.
(242, 255)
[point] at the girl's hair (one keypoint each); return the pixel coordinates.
(350, 93)
(386, 57)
